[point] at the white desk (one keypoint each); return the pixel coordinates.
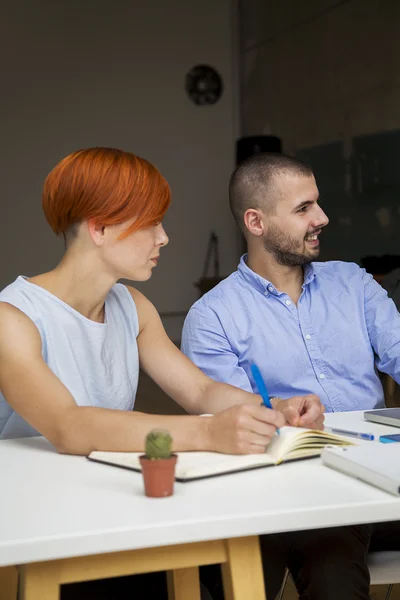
(56, 507)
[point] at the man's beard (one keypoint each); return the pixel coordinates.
(284, 248)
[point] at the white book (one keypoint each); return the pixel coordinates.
(293, 443)
(372, 462)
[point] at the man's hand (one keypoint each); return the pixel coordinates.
(302, 411)
(242, 429)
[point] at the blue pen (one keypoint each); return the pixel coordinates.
(356, 434)
(262, 389)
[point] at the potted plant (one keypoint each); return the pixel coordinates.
(158, 465)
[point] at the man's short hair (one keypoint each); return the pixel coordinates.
(252, 184)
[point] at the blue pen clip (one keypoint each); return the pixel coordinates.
(262, 388)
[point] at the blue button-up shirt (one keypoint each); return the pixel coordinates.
(343, 327)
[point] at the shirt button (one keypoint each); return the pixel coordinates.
(270, 288)
(321, 376)
(288, 302)
(308, 336)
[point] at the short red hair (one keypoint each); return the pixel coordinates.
(105, 184)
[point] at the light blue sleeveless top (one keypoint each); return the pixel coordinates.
(97, 362)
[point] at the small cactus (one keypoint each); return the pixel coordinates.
(158, 444)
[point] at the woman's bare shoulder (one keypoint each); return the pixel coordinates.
(146, 310)
(16, 327)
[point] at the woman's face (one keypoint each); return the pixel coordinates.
(135, 256)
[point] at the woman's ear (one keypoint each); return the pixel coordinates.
(96, 231)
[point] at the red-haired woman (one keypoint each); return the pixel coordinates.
(72, 339)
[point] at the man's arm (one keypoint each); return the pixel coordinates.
(204, 341)
(383, 324)
(41, 399)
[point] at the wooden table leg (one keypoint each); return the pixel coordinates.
(8, 583)
(242, 574)
(42, 581)
(39, 581)
(183, 584)
(240, 558)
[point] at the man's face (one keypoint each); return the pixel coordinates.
(291, 232)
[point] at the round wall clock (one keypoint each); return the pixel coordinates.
(203, 85)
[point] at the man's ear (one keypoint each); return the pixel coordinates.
(96, 231)
(254, 222)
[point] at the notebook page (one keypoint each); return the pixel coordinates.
(296, 442)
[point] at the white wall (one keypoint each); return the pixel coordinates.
(79, 74)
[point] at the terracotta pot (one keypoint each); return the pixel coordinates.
(158, 475)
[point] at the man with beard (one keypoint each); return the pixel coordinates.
(312, 328)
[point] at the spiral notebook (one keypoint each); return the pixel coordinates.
(293, 443)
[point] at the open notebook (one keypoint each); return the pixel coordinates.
(293, 443)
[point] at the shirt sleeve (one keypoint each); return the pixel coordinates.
(205, 343)
(383, 324)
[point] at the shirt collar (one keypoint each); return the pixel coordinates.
(309, 273)
(263, 285)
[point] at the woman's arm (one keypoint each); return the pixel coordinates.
(192, 389)
(39, 397)
(175, 373)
